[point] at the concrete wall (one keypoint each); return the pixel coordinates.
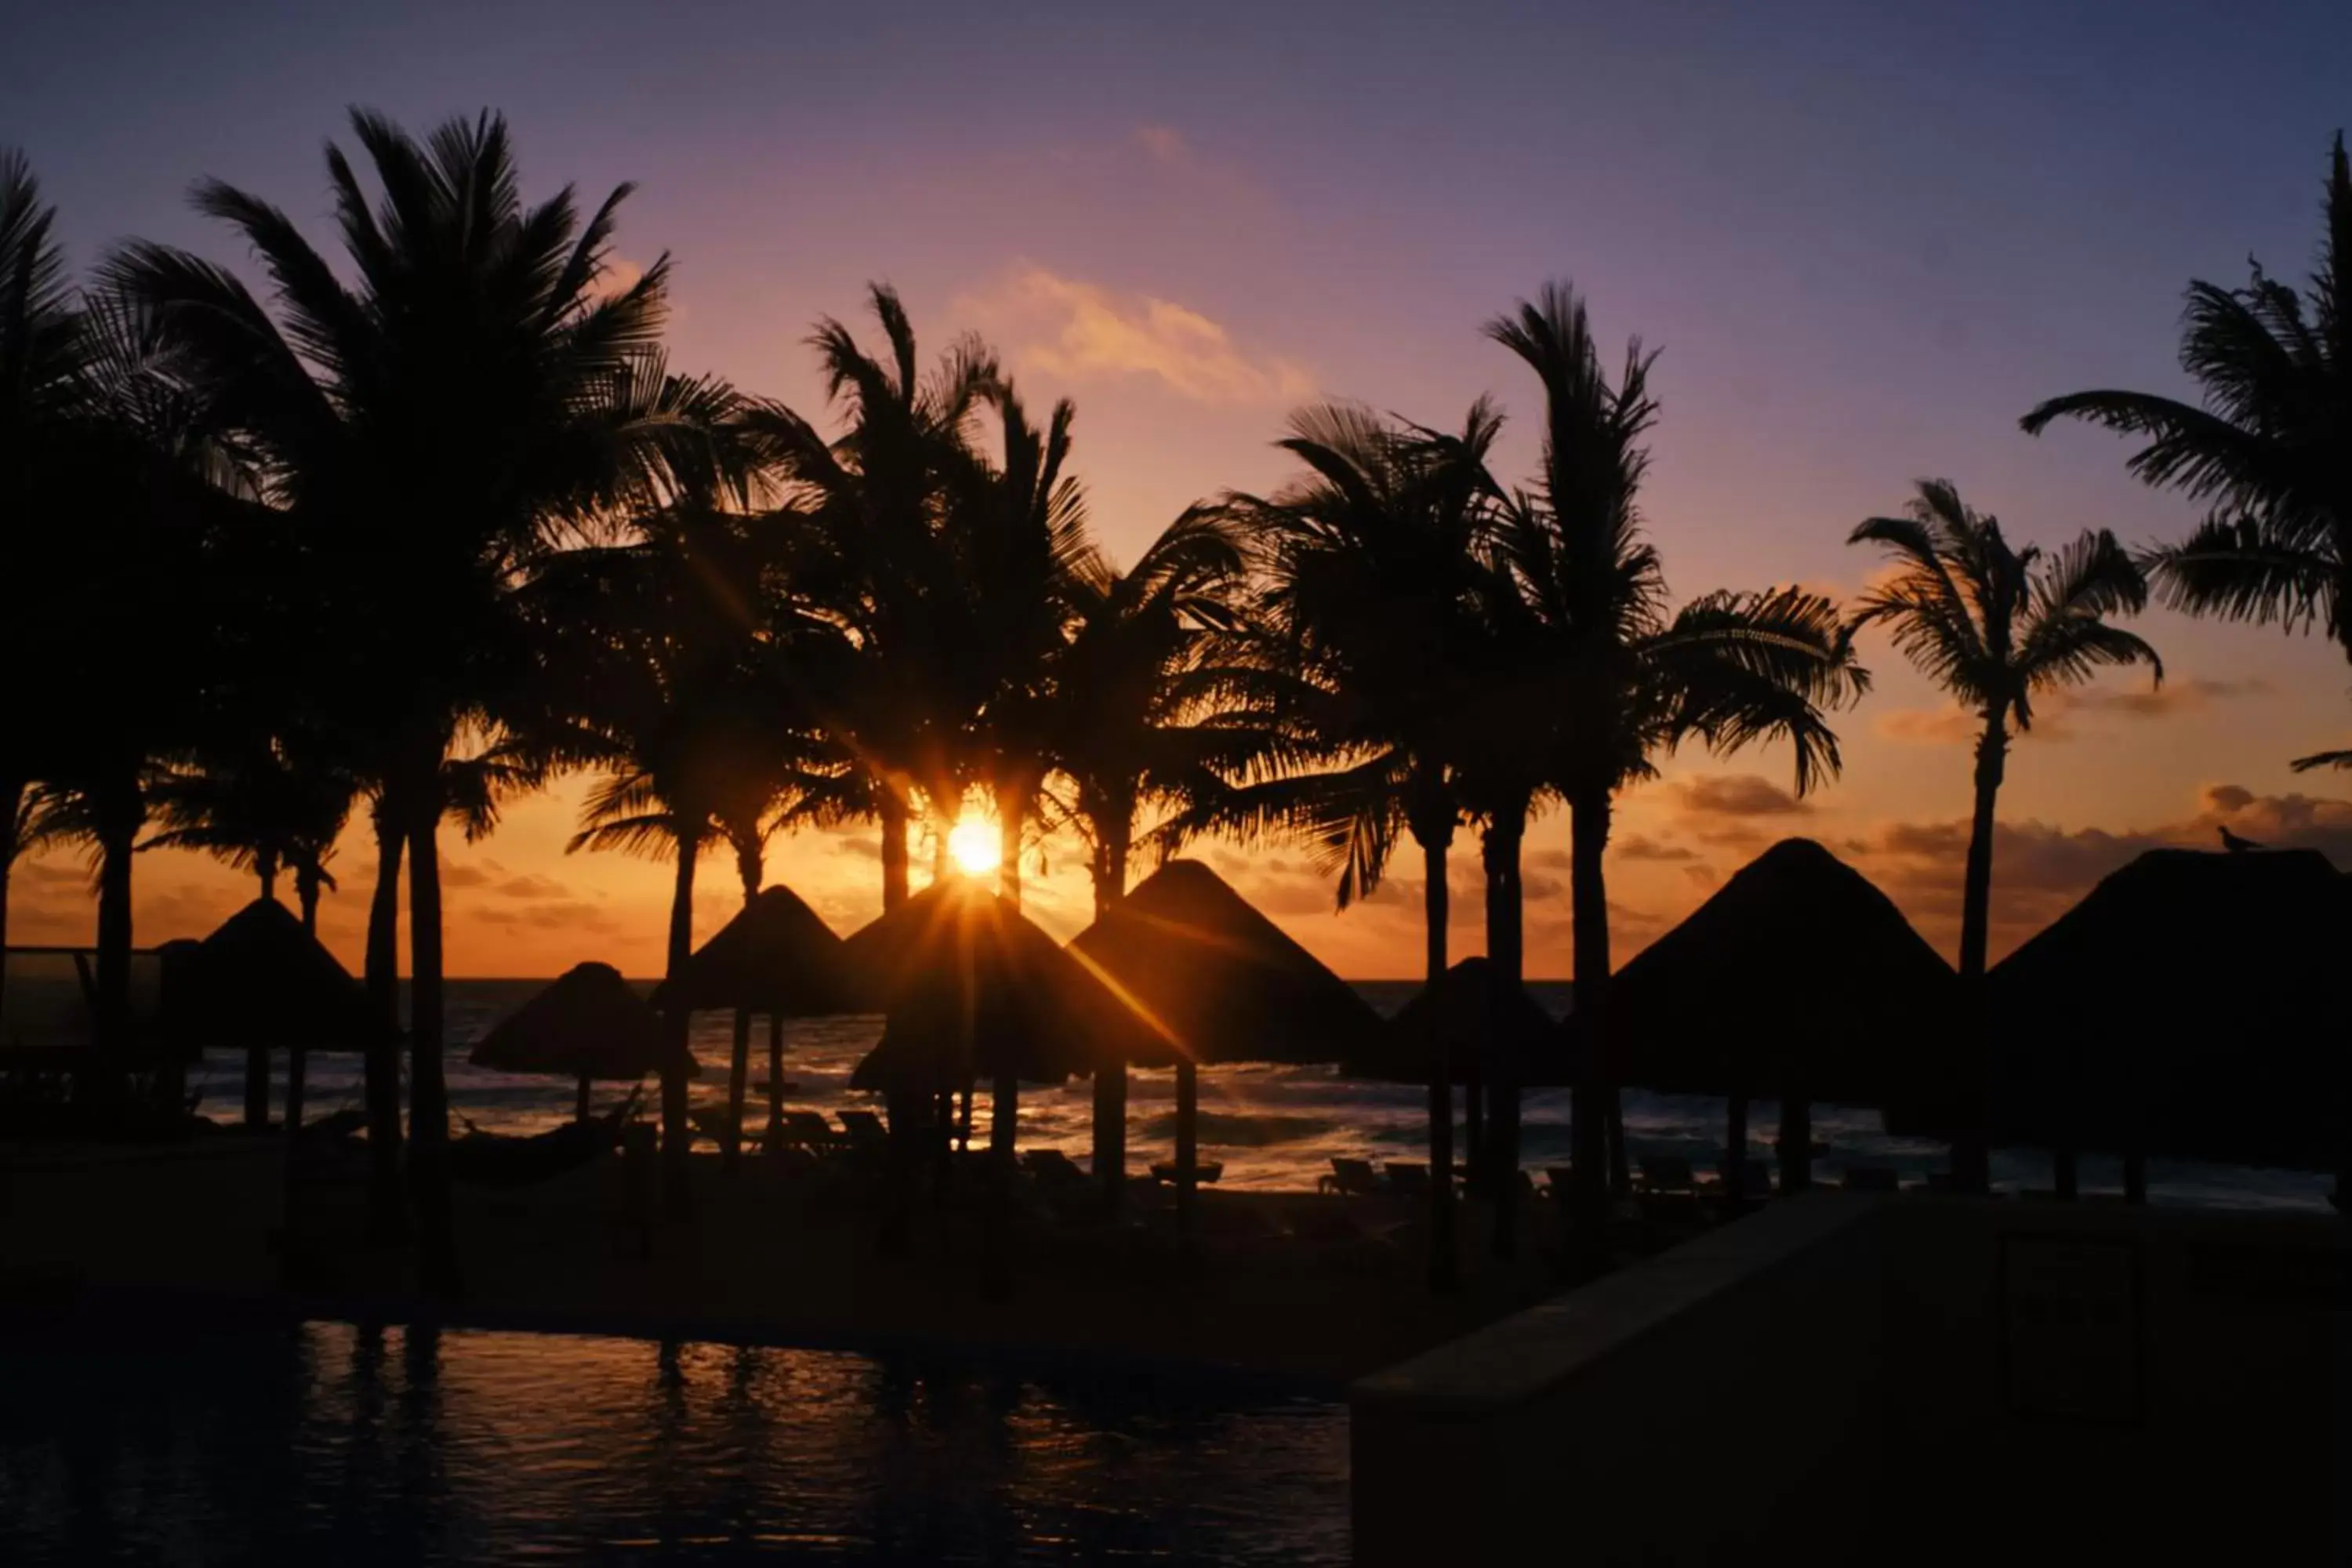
(1842, 1380)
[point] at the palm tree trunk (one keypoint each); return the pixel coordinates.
(13, 790)
(1796, 1139)
(1971, 1145)
(428, 1095)
(120, 810)
(892, 810)
(677, 1132)
(775, 1070)
(1110, 1078)
(748, 868)
(1589, 904)
(256, 1055)
(1444, 1267)
(1506, 965)
(385, 1222)
(1004, 1116)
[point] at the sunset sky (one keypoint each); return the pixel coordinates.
(1867, 239)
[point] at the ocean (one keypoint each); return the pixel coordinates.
(1273, 1127)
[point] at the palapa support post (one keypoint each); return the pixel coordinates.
(257, 1085)
(298, 1062)
(738, 1081)
(1188, 1142)
(581, 1111)
(1735, 1148)
(775, 1072)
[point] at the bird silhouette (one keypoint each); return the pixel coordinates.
(2235, 845)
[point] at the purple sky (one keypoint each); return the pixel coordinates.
(1867, 237)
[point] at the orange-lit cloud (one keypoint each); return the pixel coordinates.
(1081, 331)
(2055, 712)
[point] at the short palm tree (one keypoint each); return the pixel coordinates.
(1142, 720)
(1621, 677)
(893, 682)
(1373, 563)
(434, 413)
(1996, 625)
(2270, 449)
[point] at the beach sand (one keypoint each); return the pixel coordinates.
(1303, 1287)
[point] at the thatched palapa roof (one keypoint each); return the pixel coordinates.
(2193, 1004)
(261, 980)
(1224, 982)
(590, 1022)
(973, 988)
(1797, 976)
(1480, 1032)
(777, 956)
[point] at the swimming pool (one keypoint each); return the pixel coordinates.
(325, 1443)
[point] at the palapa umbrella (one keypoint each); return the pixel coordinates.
(2192, 1007)
(1797, 980)
(1218, 982)
(777, 957)
(973, 989)
(588, 1024)
(262, 982)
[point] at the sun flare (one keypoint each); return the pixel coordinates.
(972, 843)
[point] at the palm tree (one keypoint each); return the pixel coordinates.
(2270, 449)
(41, 353)
(257, 809)
(434, 413)
(1373, 561)
(1624, 678)
(893, 683)
(1141, 721)
(1996, 625)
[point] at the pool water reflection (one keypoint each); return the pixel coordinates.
(325, 1443)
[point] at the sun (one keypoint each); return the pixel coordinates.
(973, 844)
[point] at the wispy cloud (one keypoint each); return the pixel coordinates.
(1164, 142)
(1080, 330)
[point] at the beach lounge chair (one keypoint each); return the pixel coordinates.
(1351, 1178)
(1408, 1179)
(1667, 1173)
(1867, 1179)
(809, 1130)
(1050, 1167)
(1205, 1171)
(864, 1128)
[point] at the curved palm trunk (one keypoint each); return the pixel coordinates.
(1110, 1078)
(428, 1095)
(1971, 1151)
(676, 1133)
(385, 1221)
(1588, 900)
(1444, 1266)
(1507, 965)
(748, 868)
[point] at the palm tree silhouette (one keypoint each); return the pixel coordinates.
(478, 385)
(1145, 718)
(1626, 678)
(657, 660)
(892, 684)
(41, 354)
(1373, 564)
(1995, 626)
(257, 809)
(2271, 449)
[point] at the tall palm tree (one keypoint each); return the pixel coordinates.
(1142, 720)
(434, 411)
(1373, 560)
(2270, 449)
(1996, 625)
(1625, 677)
(893, 682)
(41, 354)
